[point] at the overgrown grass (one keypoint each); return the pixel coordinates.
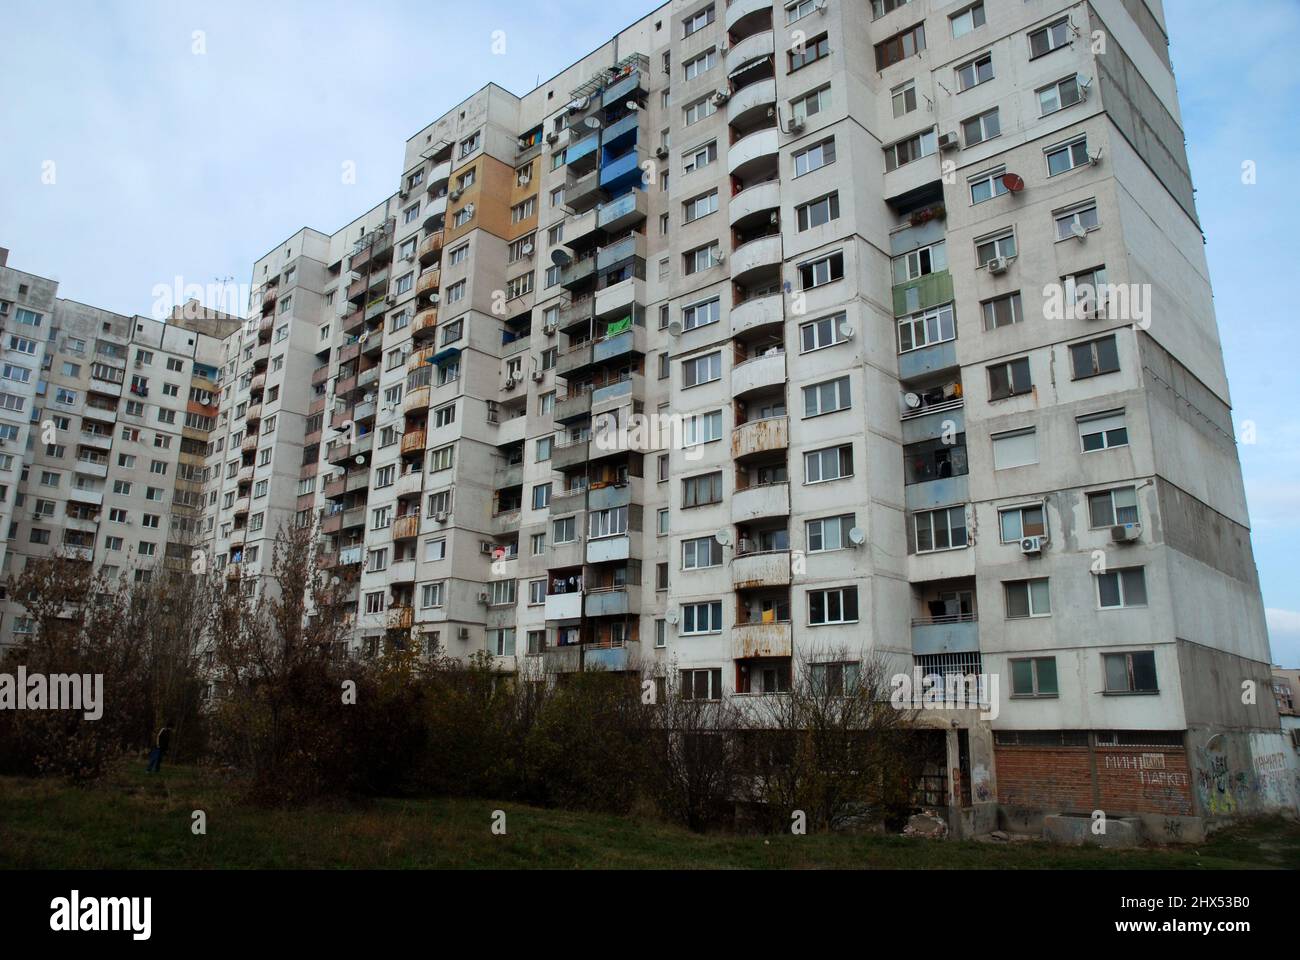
(135, 821)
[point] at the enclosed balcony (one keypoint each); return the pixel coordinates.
(770, 568)
(620, 214)
(945, 619)
(762, 639)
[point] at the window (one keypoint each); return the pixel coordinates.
(1002, 311)
(28, 318)
(701, 258)
(442, 458)
(818, 212)
(926, 329)
(698, 21)
(921, 262)
(703, 369)
(700, 206)
(1049, 38)
(701, 552)
(811, 104)
(818, 334)
(698, 65)
(1103, 431)
(606, 523)
(503, 593)
(900, 46)
(435, 550)
(701, 157)
(1034, 677)
(815, 157)
(523, 247)
(832, 463)
(904, 98)
(1027, 598)
(986, 186)
(470, 144)
(24, 345)
(522, 211)
(913, 148)
(1094, 357)
(1112, 507)
(545, 446)
(829, 533)
(1016, 523)
(1016, 448)
(702, 617)
(967, 20)
(822, 271)
(458, 255)
(661, 576)
(701, 314)
(432, 595)
(1058, 96)
(975, 72)
(834, 679)
(809, 52)
(940, 529)
(700, 491)
(697, 111)
(1009, 379)
(881, 7)
(702, 428)
(1067, 156)
(378, 560)
(981, 127)
(1122, 588)
(463, 216)
(541, 496)
(828, 397)
(1130, 672)
(989, 249)
(839, 605)
(702, 684)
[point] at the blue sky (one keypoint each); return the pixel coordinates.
(168, 162)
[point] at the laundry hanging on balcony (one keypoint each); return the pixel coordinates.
(618, 326)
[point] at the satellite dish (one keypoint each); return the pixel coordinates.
(1083, 82)
(846, 330)
(857, 536)
(592, 123)
(527, 249)
(469, 208)
(360, 461)
(912, 400)
(1013, 182)
(368, 398)
(632, 105)
(723, 537)
(434, 298)
(675, 328)
(672, 618)
(1079, 231)
(560, 258)
(344, 427)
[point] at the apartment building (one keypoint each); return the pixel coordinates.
(767, 337)
(105, 428)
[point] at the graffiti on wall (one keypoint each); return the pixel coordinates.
(1258, 779)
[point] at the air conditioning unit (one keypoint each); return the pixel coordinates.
(551, 327)
(720, 97)
(403, 195)
(463, 633)
(391, 299)
(454, 195)
(511, 382)
(552, 137)
(440, 518)
(797, 125)
(484, 599)
(538, 376)
(662, 153)
(1125, 532)
(949, 141)
(998, 265)
(1031, 546)
(1090, 310)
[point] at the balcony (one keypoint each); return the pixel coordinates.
(93, 468)
(244, 476)
(753, 47)
(98, 441)
(351, 556)
(769, 435)
(761, 198)
(564, 659)
(333, 523)
(760, 502)
(627, 211)
(958, 633)
(416, 400)
(424, 323)
(564, 606)
(431, 248)
(84, 495)
(406, 527)
(754, 152)
(320, 375)
(413, 442)
(249, 445)
(355, 517)
(747, 103)
(243, 505)
(761, 256)
(758, 373)
(573, 359)
(507, 521)
(572, 406)
(609, 549)
(622, 171)
(608, 658)
(581, 155)
(750, 640)
(402, 571)
(626, 88)
(565, 456)
(254, 413)
(766, 569)
(578, 273)
(367, 377)
(107, 387)
(623, 299)
(410, 484)
(258, 384)
(738, 10)
(613, 601)
(927, 360)
(428, 281)
(618, 392)
(581, 225)
(581, 193)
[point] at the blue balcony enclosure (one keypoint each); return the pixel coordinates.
(621, 173)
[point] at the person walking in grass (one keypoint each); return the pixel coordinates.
(160, 748)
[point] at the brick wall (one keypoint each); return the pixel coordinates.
(1128, 779)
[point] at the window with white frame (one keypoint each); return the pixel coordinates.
(831, 463)
(936, 325)
(821, 333)
(829, 397)
(700, 618)
(829, 533)
(1109, 508)
(1103, 431)
(1016, 523)
(1122, 588)
(943, 529)
(837, 605)
(1024, 599)
(705, 369)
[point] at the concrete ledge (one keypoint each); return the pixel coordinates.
(1076, 830)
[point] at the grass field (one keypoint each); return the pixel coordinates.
(134, 821)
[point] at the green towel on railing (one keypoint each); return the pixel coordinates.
(618, 326)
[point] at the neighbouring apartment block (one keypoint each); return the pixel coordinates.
(914, 299)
